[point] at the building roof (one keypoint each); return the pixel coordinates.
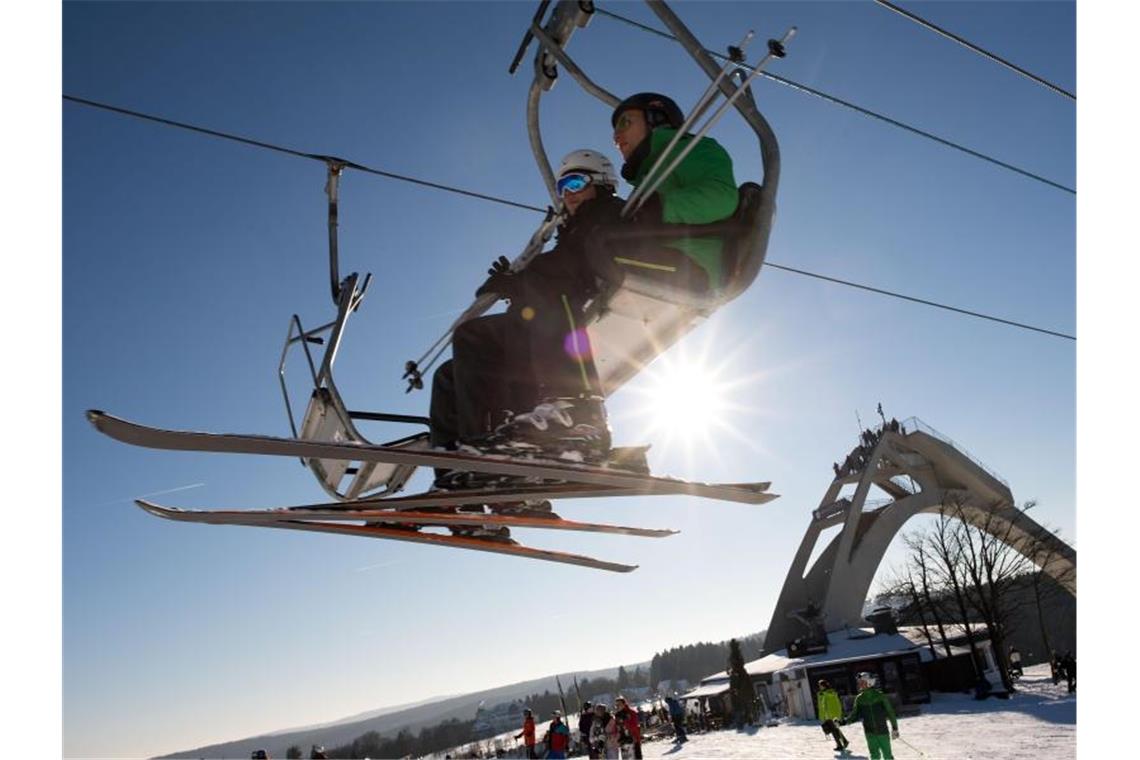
(843, 646)
(707, 690)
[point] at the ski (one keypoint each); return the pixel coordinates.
(262, 516)
(141, 435)
(493, 546)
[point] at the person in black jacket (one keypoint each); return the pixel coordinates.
(504, 365)
(585, 720)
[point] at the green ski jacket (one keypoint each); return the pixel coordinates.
(874, 709)
(701, 190)
(828, 706)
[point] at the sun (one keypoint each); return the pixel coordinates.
(682, 401)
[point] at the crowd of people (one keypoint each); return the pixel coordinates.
(860, 456)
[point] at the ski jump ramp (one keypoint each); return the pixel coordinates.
(921, 471)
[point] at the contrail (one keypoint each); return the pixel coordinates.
(155, 493)
(382, 564)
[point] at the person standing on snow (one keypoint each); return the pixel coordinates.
(585, 719)
(629, 729)
(527, 734)
(506, 364)
(1015, 668)
(604, 733)
(830, 711)
(873, 708)
(677, 716)
(558, 738)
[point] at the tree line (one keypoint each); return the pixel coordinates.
(690, 663)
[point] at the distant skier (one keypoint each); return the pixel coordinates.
(558, 738)
(830, 712)
(629, 729)
(585, 719)
(527, 734)
(873, 708)
(677, 715)
(1069, 671)
(604, 733)
(1015, 669)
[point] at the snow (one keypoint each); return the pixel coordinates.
(1038, 722)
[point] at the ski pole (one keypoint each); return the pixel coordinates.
(916, 749)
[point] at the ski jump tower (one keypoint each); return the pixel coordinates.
(920, 470)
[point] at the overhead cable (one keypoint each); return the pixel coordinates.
(923, 301)
(302, 154)
(971, 46)
(493, 199)
(846, 104)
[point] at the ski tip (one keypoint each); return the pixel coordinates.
(94, 415)
(155, 509)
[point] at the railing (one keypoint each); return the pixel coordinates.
(914, 423)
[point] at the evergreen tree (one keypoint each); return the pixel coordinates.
(622, 678)
(740, 685)
(293, 753)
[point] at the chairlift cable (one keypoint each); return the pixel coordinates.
(301, 154)
(923, 301)
(481, 196)
(980, 51)
(847, 104)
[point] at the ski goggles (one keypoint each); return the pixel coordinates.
(575, 182)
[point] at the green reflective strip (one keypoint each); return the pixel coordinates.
(577, 348)
(644, 264)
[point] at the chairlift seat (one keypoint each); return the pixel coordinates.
(635, 320)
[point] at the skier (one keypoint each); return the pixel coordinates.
(535, 350)
(558, 738)
(677, 715)
(874, 709)
(629, 729)
(830, 710)
(527, 734)
(700, 190)
(585, 719)
(1069, 671)
(604, 733)
(1015, 669)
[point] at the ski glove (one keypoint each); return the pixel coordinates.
(502, 284)
(501, 265)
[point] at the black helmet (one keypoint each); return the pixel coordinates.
(659, 110)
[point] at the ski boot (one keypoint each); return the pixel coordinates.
(496, 533)
(540, 508)
(571, 429)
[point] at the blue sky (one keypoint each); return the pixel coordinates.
(184, 256)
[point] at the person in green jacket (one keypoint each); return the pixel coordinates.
(700, 190)
(830, 712)
(874, 709)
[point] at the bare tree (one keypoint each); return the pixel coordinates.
(1046, 585)
(944, 547)
(917, 543)
(992, 563)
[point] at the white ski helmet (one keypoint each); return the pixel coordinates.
(589, 162)
(867, 678)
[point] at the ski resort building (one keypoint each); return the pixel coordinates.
(786, 684)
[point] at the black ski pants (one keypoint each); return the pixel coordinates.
(489, 372)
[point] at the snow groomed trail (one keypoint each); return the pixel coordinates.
(1039, 722)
